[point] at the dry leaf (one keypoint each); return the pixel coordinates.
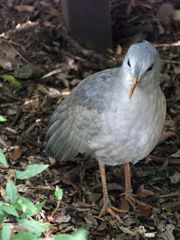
(176, 154)
(175, 178)
(34, 102)
(168, 233)
(16, 153)
(54, 93)
(62, 218)
(176, 15)
(150, 234)
(142, 192)
(119, 50)
(165, 13)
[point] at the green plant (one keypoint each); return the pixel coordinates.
(2, 119)
(23, 210)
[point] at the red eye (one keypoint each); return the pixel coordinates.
(150, 68)
(128, 62)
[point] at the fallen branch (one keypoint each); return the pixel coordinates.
(159, 45)
(161, 160)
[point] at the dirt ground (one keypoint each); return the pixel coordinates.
(33, 43)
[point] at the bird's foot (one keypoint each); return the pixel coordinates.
(113, 211)
(136, 204)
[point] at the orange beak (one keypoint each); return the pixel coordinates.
(133, 86)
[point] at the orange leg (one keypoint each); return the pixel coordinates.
(128, 189)
(107, 207)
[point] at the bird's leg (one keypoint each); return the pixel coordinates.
(107, 207)
(128, 189)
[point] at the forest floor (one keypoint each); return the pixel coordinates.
(33, 43)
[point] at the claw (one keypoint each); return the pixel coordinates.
(112, 211)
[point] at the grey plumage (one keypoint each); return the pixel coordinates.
(100, 120)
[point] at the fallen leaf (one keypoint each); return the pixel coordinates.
(165, 13)
(16, 153)
(34, 102)
(142, 192)
(53, 93)
(150, 234)
(176, 15)
(4, 63)
(175, 178)
(119, 50)
(102, 226)
(176, 154)
(62, 218)
(168, 233)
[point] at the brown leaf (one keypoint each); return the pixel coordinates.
(168, 233)
(61, 218)
(119, 50)
(176, 15)
(175, 178)
(165, 13)
(102, 226)
(34, 102)
(16, 153)
(142, 192)
(90, 221)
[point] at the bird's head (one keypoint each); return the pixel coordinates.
(142, 63)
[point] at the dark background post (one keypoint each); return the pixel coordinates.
(89, 22)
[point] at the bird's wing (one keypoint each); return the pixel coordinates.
(79, 118)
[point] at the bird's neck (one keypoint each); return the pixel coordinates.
(123, 83)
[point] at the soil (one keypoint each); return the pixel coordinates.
(34, 42)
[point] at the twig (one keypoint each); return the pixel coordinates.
(161, 160)
(88, 53)
(173, 194)
(171, 205)
(159, 45)
(171, 61)
(55, 210)
(53, 72)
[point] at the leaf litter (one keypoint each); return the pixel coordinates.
(63, 63)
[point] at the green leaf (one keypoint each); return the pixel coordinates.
(11, 192)
(3, 160)
(34, 226)
(80, 234)
(26, 235)
(6, 231)
(176, 154)
(62, 237)
(9, 209)
(12, 80)
(26, 206)
(40, 205)
(31, 171)
(2, 215)
(58, 193)
(2, 119)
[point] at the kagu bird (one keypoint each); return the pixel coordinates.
(116, 116)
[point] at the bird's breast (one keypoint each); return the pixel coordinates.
(131, 130)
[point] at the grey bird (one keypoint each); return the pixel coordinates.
(115, 115)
